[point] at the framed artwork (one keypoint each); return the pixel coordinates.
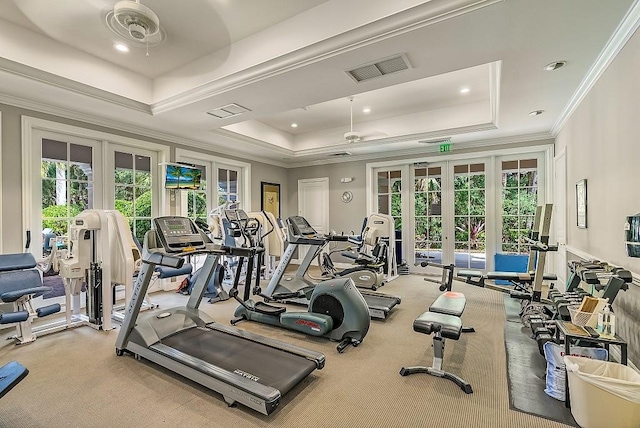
(581, 204)
(270, 200)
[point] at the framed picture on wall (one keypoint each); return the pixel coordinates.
(581, 204)
(270, 200)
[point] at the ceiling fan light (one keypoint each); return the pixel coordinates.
(137, 31)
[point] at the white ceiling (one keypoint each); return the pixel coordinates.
(285, 61)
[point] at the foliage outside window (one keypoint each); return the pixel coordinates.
(469, 214)
(390, 196)
(428, 214)
(67, 183)
(519, 201)
(133, 191)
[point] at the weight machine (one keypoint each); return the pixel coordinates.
(102, 254)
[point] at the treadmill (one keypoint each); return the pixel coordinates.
(244, 367)
(297, 289)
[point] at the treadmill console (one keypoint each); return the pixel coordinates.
(299, 226)
(178, 234)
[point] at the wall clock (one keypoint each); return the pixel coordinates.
(347, 197)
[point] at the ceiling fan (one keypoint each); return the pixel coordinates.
(136, 23)
(355, 136)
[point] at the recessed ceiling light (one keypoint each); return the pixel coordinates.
(121, 47)
(294, 125)
(464, 90)
(366, 110)
(554, 65)
(536, 113)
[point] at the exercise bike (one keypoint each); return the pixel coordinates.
(336, 308)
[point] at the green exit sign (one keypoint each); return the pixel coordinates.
(446, 147)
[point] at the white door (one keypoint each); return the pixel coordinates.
(560, 214)
(313, 205)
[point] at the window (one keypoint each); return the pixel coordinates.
(197, 199)
(227, 185)
(519, 201)
(133, 191)
(428, 214)
(67, 183)
(390, 196)
(469, 211)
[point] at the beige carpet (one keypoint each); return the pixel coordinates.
(76, 380)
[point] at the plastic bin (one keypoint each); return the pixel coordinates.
(603, 394)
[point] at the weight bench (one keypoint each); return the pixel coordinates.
(443, 319)
(20, 283)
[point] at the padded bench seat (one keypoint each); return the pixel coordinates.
(449, 303)
(449, 326)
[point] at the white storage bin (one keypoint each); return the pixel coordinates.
(603, 394)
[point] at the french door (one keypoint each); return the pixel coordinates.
(449, 213)
(66, 169)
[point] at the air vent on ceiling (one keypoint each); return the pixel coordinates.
(228, 111)
(379, 68)
(335, 155)
(439, 141)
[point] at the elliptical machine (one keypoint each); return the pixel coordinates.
(336, 309)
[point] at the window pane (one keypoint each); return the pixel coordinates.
(54, 170)
(123, 160)
(383, 204)
(80, 154)
(421, 204)
(478, 203)
(476, 181)
(435, 229)
(396, 205)
(383, 182)
(461, 202)
(396, 185)
(80, 196)
(124, 193)
(81, 172)
(421, 229)
(223, 185)
(461, 182)
(142, 205)
(462, 228)
(54, 150)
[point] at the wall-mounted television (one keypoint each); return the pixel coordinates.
(179, 177)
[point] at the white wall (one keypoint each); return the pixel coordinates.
(602, 139)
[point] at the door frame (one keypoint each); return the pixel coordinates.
(31, 125)
(326, 212)
(543, 152)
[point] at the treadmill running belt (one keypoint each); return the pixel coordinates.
(272, 367)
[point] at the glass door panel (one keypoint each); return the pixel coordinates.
(389, 195)
(428, 214)
(469, 215)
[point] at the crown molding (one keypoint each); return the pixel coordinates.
(620, 37)
(236, 137)
(51, 79)
(441, 133)
(514, 139)
(137, 130)
(385, 28)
